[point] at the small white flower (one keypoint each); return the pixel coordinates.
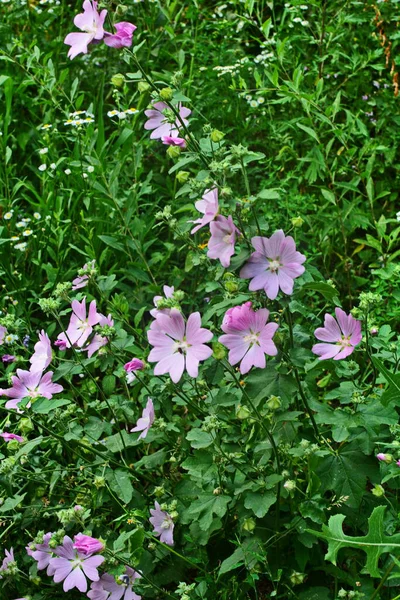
(8, 215)
(260, 100)
(43, 150)
(397, 215)
(37, 215)
(305, 23)
(88, 120)
(11, 338)
(253, 103)
(27, 232)
(14, 238)
(46, 126)
(84, 175)
(121, 115)
(26, 220)
(112, 113)
(297, 20)
(53, 166)
(72, 122)
(77, 113)
(67, 172)
(20, 224)
(42, 167)
(90, 169)
(22, 246)
(131, 111)
(303, 6)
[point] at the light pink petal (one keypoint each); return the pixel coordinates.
(173, 325)
(344, 353)
(199, 352)
(164, 129)
(174, 365)
(285, 282)
(238, 347)
(192, 364)
(330, 332)
(254, 357)
(90, 565)
(325, 351)
(75, 579)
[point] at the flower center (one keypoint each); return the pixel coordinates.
(227, 239)
(181, 347)
(274, 265)
(83, 325)
(33, 393)
(251, 338)
(76, 563)
(345, 342)
(165, 524)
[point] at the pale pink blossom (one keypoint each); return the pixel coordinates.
(339, 336)
(71, 566)
(98, 341)
(173, 141)
(82, 280)
(123, 37)
(41, 358)
(90, 22)
(26, 384)
(9, 437)
(221, 245)
(208, 207)
(159, 124)
(107, 588)
(134, 365)
(146, 420)
(87, 545)
(42, 553)
(178, 345)
(274, 265)
(248, 336)
(9, 558)
(80, 326)
(168, 293)
(163, 525)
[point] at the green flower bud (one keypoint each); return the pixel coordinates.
(289, 485)
(121, 10)
(274, 403)
(231, 286)
(173, 151)
(297, 221)
(182, 176)
(219, 351)
(378, 491)
(99, 482)
(159, 491)
(216, 136)
(118, 80)
(143, 86)
(249, 524)
(242, 412)
(25, 426)
(166, 94)
(297, 578)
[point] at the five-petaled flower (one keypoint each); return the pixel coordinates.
(221, 245)
(163, 525)
(274, 265)
(146, 420)
(163, 124)
(26, 384)
(339, 336)
(90, 22)
(208, 207)
(71, 566)
(41, 358)
(248, 336)
(81, 325)
(107, 588)
(123, 36)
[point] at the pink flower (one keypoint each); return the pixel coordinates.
(248, 336)
(223, 237)
(82, 280)
(87, 545)
(42, 553)
(178, 345)
(134, 365)
(71, 566)
(340, 337)
(8, 358)
(7, 560)
(158, 122)
(98, 341)
(146, 420)
(163, 525)
(208, 206)
(41, 358)
(123, 37)
(173, 141)
(3, 333)
(107, 588)
(91, 22)
(30, 385)
(8, 437)
(168, 293)
(274, 265)
(80, 326)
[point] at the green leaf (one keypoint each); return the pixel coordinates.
(119, 482)
(199, 438)
(326, 290)
(43, 406)
(271, 194)
(308, 130)
(393, 392)
(374, 544)
(259, 503)
(11, 503)
(203, 509)
(134, 538)
(246, 554)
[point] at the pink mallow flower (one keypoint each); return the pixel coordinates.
(387, 458)
(221, 245)
(173, 141)
(9, 437)
(339, 337)
(134, 365)
(163, 525)
(91, 23)
(107, 588)
(248, 336)
(274, 265)
(41, 358)
(9, 558)
(82, 280)
(80, 326)
(146, 420)
(159, 122)
(30, 385)
(168, 293)
(98, 341)
(178, 345)
(87, 545)
(209, 208)
(42, 553)
(123, 37)
(71, 566)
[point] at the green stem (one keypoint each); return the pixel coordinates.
(383, 580)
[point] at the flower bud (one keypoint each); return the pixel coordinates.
(274, 403)
(143, 86)
(216, 136)
(242, 412)
(219, 351)
(378, 491)
(121, 10)
(231, 286)
(182, 176)
(25, 426)
(387, 458)
(289, 485)
(118, 80)
(99, 482)
(173, 151)
(166, 94)
(297, 578)
(297, 221)
(373, 331)
(249, 524)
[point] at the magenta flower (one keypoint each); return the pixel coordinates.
(340, 336)
(146, 420)
(82, 280)
(71, 566)
(134, 365)
(7, 560)
(42, 553)
(178, 345)
(91, 23)
(209, 208)
(80, 326)
(168, 293)
(3, 333)
(8, 358)
(98, 341)
(248, 336)
(163, 525)
(107, 588)
(159, 122)
(173, 141)
(87, 545)
(41, 358)
(123, 37)
(30, 385)
(274, 265)
(221, 245)
(9, 437)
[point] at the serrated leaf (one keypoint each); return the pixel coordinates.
(374, 544)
